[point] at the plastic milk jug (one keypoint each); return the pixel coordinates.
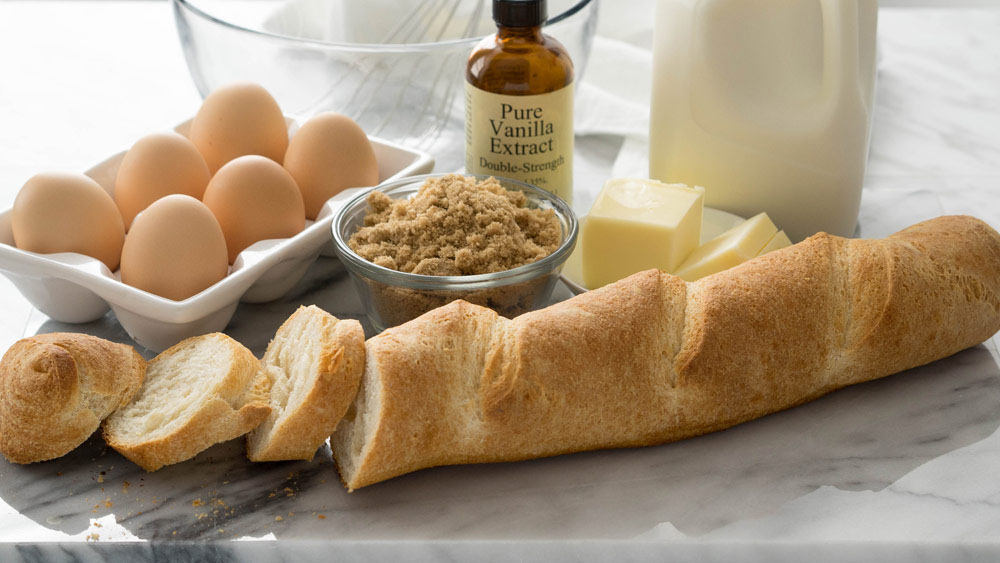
(766, 104)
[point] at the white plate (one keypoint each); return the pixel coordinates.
(714, 222)
(74, 288)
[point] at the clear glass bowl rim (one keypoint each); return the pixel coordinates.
(445, 283)
(190, 6)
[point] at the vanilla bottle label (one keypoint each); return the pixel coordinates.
(526, 138)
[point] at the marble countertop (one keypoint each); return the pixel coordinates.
(901, 469)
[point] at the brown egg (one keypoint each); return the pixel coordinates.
(158, 165)
(254, 199)
(57, 212)
(238, 120)
(327, 155)
(174, 249)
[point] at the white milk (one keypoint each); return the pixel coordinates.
(767, 104)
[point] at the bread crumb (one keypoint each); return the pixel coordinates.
(456, 226)
(197, 502)
(321, 517)
(278, 518)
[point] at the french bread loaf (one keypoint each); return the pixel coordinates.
(652, 359)
(56, 388)
(315, 362)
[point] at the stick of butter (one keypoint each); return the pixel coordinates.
(731, 248)
(778, 241)
(636, 225)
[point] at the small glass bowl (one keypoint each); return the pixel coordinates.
(392, 297)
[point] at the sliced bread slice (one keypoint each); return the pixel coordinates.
(202, 391)
(315, 363)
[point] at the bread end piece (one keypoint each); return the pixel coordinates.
(202, 391)
(315, 362)
(56, 388)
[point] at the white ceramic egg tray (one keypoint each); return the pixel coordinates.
(74, 288)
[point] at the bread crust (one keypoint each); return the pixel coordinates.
(299, 433)
(56, 388)
(651, 359)
(238, 404)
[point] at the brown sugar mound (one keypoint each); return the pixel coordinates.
(456, 226)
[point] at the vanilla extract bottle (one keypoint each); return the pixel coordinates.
(519, 102)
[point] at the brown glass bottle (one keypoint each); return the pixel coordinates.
(519, 102)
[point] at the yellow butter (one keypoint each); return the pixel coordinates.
(778, 241)
(731, 248)
(636, 225)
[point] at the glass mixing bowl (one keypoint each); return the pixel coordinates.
(394, 66)
(392, 297)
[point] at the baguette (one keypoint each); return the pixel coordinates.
(202, 391)
(652, 359)
(55, 389)
(315, 362)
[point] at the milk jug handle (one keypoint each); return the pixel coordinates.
(841, 61)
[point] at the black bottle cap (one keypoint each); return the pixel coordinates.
(519, 13)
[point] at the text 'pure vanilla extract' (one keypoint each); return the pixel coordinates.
(519, 102)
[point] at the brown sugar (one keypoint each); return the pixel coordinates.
(456, 226)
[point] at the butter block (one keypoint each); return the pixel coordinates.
(636, 225)
(778, 241)
(731, 248)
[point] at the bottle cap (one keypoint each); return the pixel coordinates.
(519, 13)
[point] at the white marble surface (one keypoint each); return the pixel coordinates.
(902, 469)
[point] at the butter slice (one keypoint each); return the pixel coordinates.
(778, 241)
(636, 225)
(731, 248)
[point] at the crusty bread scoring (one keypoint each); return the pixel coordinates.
(651, 359)
(315, 363)
(56, 388)
(202, 391)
